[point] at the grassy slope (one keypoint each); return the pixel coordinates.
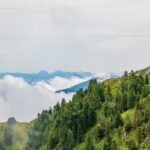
(21, 134)
(21, 131)
(2, 128)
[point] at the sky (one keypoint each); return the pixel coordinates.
(74, 35)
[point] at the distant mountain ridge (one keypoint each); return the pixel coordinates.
(32, 78)
(75, 88)
(45, 77)
(84, 85)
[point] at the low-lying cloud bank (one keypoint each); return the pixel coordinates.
(23, 101)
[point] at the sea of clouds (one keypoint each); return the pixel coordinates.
(24, 101)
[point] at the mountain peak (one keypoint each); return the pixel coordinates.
(67, 74)
(43, 72)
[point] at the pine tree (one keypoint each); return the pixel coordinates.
(89, 144)
(63, 102)
(117, 120)
(132, 145)
(108, 94)
(139, 135)
(146, 79)
(109, 144)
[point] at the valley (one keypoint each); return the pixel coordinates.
(112, 115)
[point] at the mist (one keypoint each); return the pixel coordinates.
(24, 101)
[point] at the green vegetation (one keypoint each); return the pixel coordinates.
(113, 115)
(13, 135)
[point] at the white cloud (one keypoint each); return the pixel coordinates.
(61, 83)
(23, 101)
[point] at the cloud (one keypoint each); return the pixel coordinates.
(23, 101)
(61, 83)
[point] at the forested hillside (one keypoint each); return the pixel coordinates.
(113, 115)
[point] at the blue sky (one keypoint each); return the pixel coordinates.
(97, 35)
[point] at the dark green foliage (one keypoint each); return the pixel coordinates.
(100, 106)
(67, 139)
(108, 94)
(132, 99)
(145, 91)
(128, 125)
(122, 101)
(132, 145)
(57, 107)
(95, 94)
(124, 83)
(139, 116)
(109, 144)
(129, 92)
(140, 134)
(36, 135)
(100, 131)
(63, 102)
(66, 125)
(117, 121)
(89, 144)
(146, 79)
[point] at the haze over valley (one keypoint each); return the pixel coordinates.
(20, 94)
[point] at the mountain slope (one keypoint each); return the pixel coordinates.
(14, 137)
(112, 115)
